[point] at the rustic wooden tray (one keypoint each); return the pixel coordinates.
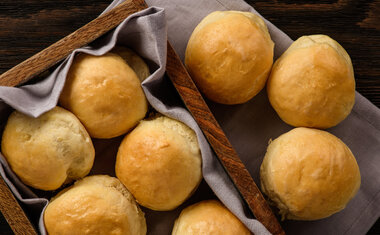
(186, 88)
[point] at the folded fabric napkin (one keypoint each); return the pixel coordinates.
(249, 126)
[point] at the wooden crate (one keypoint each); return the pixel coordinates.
(185, 87)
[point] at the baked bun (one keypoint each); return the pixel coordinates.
(97, 204)
(312, 84)
(229, 55)
(134, 61)
(47, 151)
(309, 174)
(208, 217)
(105, 94)
(160, 163)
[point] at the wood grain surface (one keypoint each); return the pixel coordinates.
(28, 26)
(13, 213)
(50, 56)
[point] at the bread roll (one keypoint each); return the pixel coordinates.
(47, 151)
(105, 94)
(160, 163)
(229, 55)
(208, 217)
(95, 205)
(309, 174)
(134, 61)
(312, 84)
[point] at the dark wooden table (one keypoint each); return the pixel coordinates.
(28, 26)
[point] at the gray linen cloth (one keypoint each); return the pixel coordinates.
(248, 126)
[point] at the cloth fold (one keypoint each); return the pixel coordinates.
(248, 126)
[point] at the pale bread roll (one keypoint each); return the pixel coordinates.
(105, 94)
(229, 55)
(208, 217)
(160, 163)
(309, 174)
(47, 151)
(312, 84)
(97, 204)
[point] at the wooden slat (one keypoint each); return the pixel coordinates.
(219, 142)
(13, 212)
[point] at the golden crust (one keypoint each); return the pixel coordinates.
(312, 84)
(229, 55)
(105, 94)
(309, 174)
(160, 163)
(47, 151)
(95, 205)
(208, 217)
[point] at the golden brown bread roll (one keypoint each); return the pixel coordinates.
(229, 55)
(309, 174)
(312, 84)
(208, 217)
(97, 204)
(47, 151)
(160, 163)
(105, 94)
